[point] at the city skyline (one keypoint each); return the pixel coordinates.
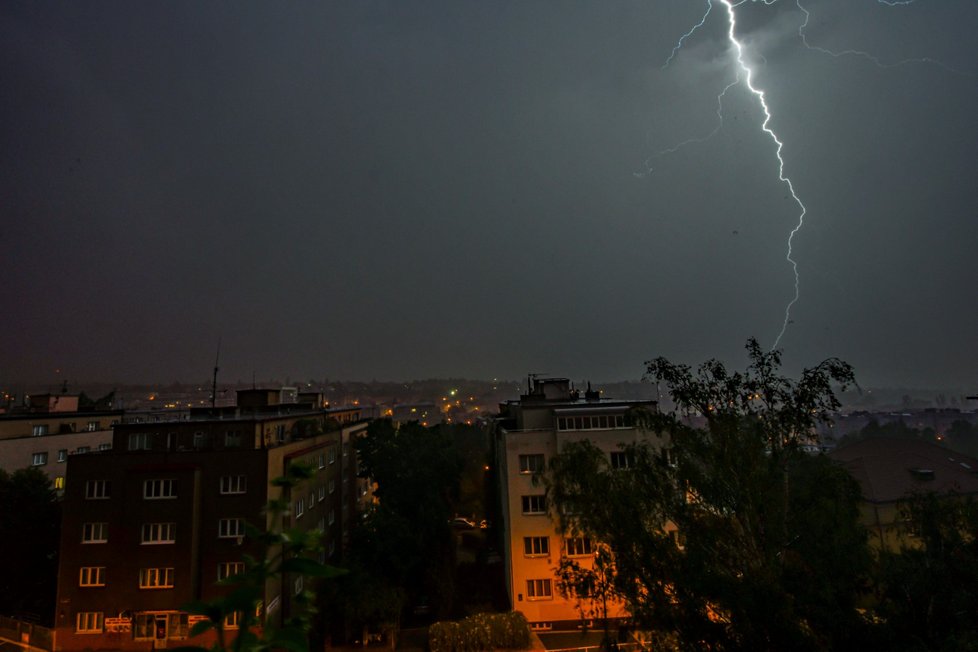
(379, 190)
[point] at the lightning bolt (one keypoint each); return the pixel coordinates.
(748, 76)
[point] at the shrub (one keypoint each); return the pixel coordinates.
(480, 632)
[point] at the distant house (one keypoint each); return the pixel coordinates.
(891, 470)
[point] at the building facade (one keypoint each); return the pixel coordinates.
(157, 521)
(529, 432)
(49, 430)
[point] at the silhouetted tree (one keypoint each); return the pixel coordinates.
(30, 522)
(732, 537)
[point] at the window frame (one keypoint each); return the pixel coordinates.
(93, 528)
(531, 463)
(578, 547)
(233, 484)
(539, 589)
(224, 527)
(156, 489)
(91, 576)
(536, 546)
(226, 569)
(166, 533)
(533, 504)
(94, 622)
(156, 577)
(98, 489)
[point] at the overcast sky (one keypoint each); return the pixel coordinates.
(394, 190)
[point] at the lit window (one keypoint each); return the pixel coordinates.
(88, 622)
(534, 504)
(95, 532)
(91, 576)
(578, 546)
(63, 455)
(539, 590)
(536, 546)
(230, 528)
(531, 463)
(39, 459)
(233, 484)
(228, 569)
(156, 578)
(97, 489)
(59, 482)
(93, 426)
(157, 489)
(232, 620)
(156, 533)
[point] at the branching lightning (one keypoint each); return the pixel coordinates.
(802, 33)
(679, 44)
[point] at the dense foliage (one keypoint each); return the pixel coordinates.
(721, 529)
(481, 632)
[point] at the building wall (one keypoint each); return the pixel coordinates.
(22, 452)
(554, 611)
(200, 479)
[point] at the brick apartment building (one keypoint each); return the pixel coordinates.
(154, 523)
(530, 431)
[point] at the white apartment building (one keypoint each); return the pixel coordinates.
(530, 431)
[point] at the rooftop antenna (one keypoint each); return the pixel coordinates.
(217, 359)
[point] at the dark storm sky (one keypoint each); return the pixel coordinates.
(391, 189)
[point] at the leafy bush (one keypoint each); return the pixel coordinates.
(480, 632)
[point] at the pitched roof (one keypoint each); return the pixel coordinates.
(890, 469)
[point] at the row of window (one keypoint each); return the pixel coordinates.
(42, 429)
(534, 462)
(152, 578)
(163, 488)
(41, 458)
(161, 533)
(145, 441)
(602, 422)
(540, 546)
(147, 626)
(301, 504)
